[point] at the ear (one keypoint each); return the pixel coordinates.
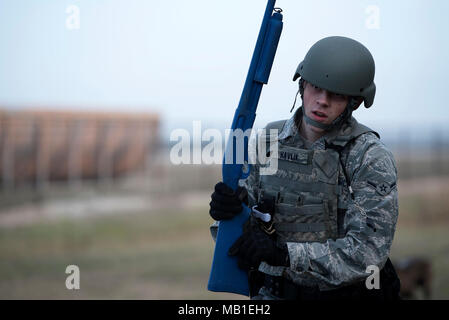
(359, 102)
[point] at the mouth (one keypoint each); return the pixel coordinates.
(320, 116)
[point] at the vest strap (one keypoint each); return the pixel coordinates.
(318, 187)
(275, 125)
(300, 227)
(309, 209)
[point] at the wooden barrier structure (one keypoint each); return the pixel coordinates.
(40, 146)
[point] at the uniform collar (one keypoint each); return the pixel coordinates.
(290, 129)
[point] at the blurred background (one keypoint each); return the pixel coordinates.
(92, 91)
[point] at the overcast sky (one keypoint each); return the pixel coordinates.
(187, 60)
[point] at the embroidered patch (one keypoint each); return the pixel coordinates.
(382, 188)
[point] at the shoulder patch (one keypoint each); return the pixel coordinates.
(382, 188)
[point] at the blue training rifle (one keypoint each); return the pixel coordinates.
(225, 275)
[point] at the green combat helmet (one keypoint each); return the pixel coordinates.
(340, 65)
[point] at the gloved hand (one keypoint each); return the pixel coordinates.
(255, 246)
(227, 203)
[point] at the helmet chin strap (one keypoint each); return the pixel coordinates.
(345, 115)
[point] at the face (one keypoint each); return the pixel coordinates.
(322, 106)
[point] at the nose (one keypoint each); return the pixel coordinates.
(323, 98)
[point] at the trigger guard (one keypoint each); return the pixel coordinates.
(245, 174)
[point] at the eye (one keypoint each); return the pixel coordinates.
(315, 88)
(339, 96)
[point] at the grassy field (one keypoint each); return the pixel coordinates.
(158, 255)
(166, 253)
(430, 242)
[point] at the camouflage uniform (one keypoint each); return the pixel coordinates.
(365, 231)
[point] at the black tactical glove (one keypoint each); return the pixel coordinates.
(227, 203)
(255, 246)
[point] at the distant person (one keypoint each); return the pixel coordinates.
(333, 199)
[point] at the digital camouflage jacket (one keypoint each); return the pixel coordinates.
(365, 231)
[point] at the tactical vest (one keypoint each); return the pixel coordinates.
(305, 188)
